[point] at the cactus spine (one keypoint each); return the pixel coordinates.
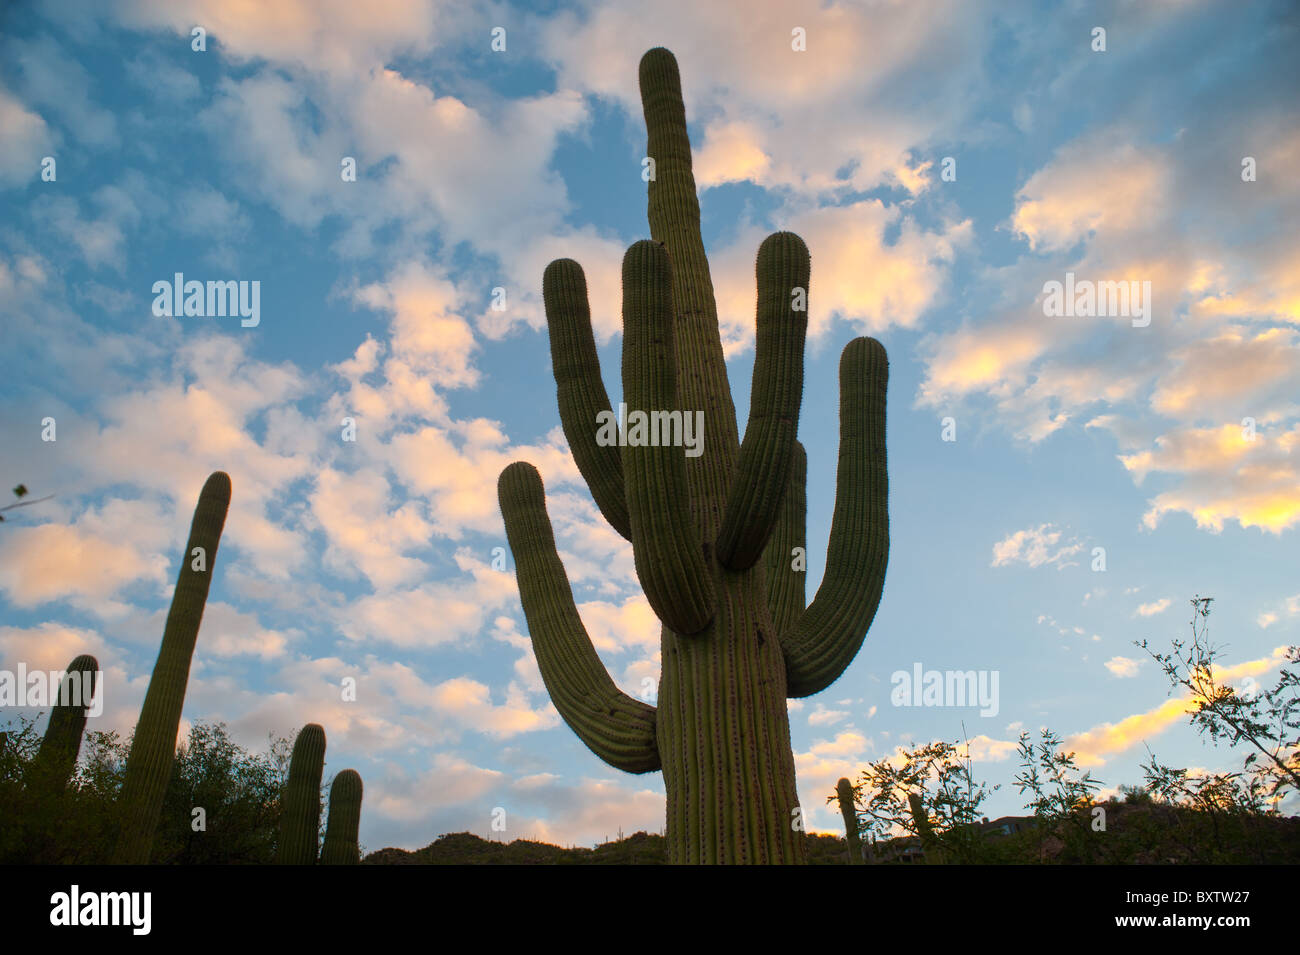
(712, 535)
(300, 811)
(57, 756)
(340, 847)
(848, 809)
(153, 750)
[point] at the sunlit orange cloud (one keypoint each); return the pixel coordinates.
(1195, 449)
(841, 123)
(732, 153)
(88, 560)
(1273, 512)
(990, 358)
(321, 34)
(425, 330)
(1231, 472)
(1096, 184)
(985, 748)
(615, 627)
(470, 703)
(1233, 368)
(1092, 747)
(1271, 289)
(48, 646)
(855, 273)
(820, 768)
(353, 510)
(26, 137)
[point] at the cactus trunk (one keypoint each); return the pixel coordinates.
(149, 766)
(340, 846)
(724, 736)
(300, 811)
(717, 535)
(849, 810)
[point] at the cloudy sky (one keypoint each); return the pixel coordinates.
(475, 167)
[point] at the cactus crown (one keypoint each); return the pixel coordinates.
(340, 846)
(849, 812)
(300, 811)
(57, 757)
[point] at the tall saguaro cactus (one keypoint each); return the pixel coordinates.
(149, 765)
(340, 846)
(57, 756)
(713, 535)
(300, 812)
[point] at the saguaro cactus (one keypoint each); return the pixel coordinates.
(930, 843)
(149, 765)
(300, 812)
(340, 846)
(57, 756)
(848, 809)
(714, 535)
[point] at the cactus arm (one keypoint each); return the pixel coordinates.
(340, 846)
(580, 390)
(763, 469)
(830, 631)
(57, 756)
(300, 809)
(670, 561)
(617, 728)
(786, 593)
(149, 765)
(849, 811)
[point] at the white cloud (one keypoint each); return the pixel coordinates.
(1153, 607)
(1035, 546)
(821, 716)
(27, 140)
(469, 702)
(1123, 666)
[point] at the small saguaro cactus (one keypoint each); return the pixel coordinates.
(149, 765)
(57, 756)
(849, 810)
(340, 846)
(930, 843)
(300, 810)
(717, 537)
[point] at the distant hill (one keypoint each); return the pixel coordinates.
(640, 848)
(1137, 832)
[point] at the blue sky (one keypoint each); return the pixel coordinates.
(373, 559)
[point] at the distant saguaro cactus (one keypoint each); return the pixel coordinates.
(718, 538)
(340, 846)
(300, 811)
(930, 843)
(149, 765)
(848, 809)
(57, 756)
